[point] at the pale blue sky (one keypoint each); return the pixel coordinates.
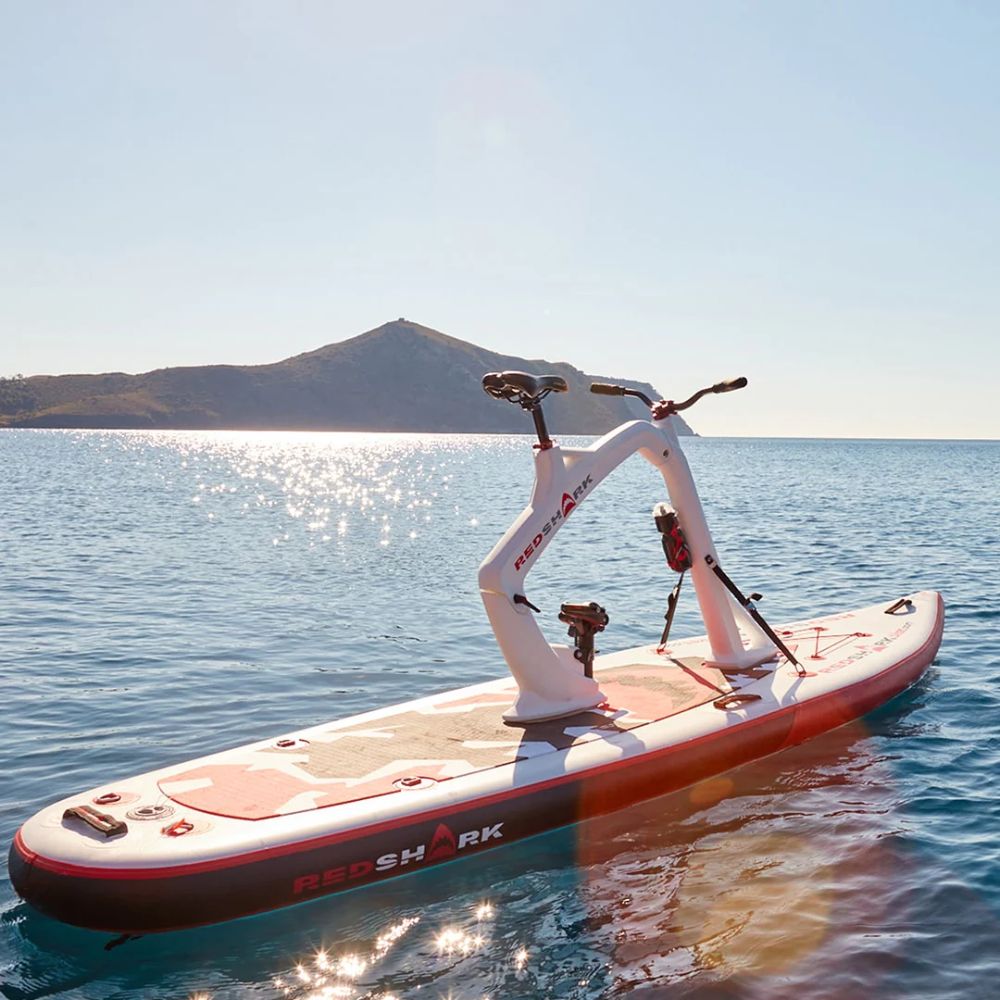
(804, 193)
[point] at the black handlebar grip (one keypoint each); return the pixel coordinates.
(730, 384)
(606, 389)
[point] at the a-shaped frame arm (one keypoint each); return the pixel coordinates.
(550, 681)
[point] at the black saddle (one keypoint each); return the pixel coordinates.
(520, 387)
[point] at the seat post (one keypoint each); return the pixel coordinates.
(544, 441)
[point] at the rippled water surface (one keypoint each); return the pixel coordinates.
(164, 595)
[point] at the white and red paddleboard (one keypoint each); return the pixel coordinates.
(361, 799)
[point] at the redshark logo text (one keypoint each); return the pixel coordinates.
(443, 845)
(566, 505)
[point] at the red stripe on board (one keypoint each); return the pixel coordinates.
(252, 857)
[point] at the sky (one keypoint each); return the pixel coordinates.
(804, 193)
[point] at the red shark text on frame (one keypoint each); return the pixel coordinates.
(568, 503)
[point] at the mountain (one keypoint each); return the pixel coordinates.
(398, 377)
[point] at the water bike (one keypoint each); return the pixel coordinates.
(571, 734)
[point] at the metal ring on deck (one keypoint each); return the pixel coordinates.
(178, 829)
(414, 781)
(290, 743)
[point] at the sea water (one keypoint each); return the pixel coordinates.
(164, 595)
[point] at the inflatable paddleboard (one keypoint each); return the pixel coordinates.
(343, 804)
(348, 803)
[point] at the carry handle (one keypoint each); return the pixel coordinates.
(96, 820)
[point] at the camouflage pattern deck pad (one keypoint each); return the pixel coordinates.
(451, 738)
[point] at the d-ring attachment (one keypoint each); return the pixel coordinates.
(730, 702)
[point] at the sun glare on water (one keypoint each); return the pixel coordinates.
(365, 972)
(314, 486)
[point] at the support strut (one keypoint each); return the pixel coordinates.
(751, 610)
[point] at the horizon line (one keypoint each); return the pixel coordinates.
(524, 434)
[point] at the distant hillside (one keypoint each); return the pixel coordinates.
(398, 377)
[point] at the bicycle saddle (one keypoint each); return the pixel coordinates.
(520, 387)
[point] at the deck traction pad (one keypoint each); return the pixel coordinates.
(452, 738)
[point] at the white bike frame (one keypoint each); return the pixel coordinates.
(551, 682)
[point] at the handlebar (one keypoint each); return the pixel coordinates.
(667, 407)
(730, 384)
(607, 389)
